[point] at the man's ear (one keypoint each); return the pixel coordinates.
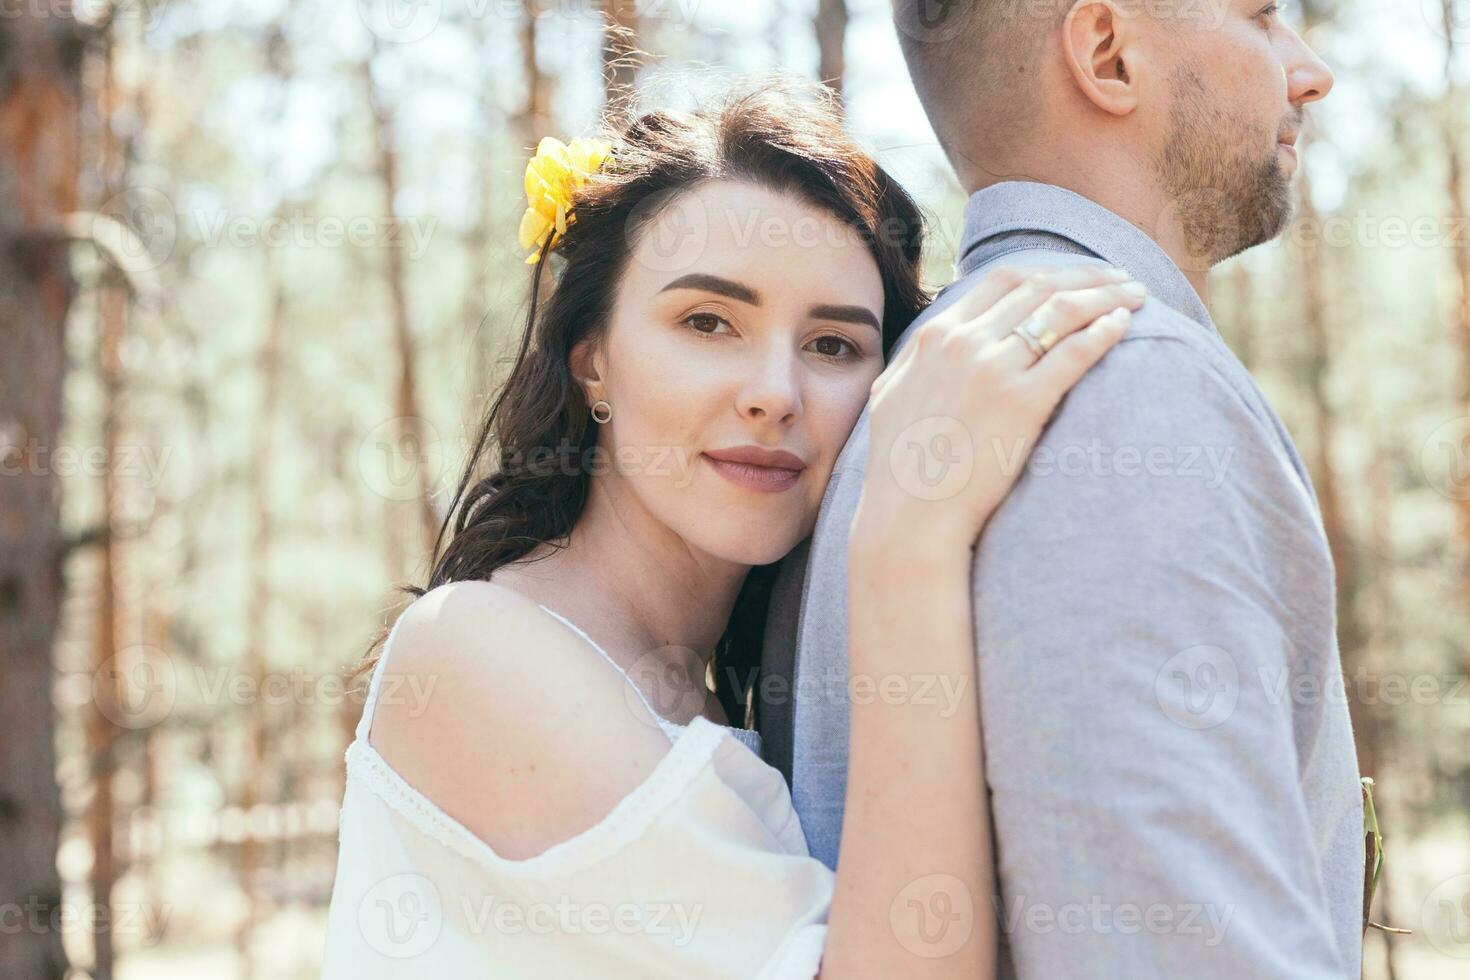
(1099, 44)
(585, 361)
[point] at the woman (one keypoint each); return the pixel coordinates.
(571, 800)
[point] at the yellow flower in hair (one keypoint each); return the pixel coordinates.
(554, 174)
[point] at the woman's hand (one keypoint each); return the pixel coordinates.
(954, 418)
(952, 421)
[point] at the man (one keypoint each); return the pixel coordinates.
(1175, 792)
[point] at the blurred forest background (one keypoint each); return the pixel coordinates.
(258, 274)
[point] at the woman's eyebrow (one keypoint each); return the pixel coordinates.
(716, 284)
(744, 294)
(847, 314)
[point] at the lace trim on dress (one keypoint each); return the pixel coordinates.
(670, 777)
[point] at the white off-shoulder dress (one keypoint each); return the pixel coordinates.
(701, 871)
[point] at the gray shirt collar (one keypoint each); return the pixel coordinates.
(1013, 215)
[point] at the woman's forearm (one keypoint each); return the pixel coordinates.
(913, 896)
(914, 875)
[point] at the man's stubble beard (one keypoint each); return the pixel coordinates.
(1223, 199)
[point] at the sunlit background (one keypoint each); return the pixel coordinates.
(292, 239)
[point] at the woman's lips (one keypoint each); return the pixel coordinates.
(767, 479)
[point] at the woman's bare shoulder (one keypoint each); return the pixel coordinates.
(519, 729)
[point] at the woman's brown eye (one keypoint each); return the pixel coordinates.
(836, 346)
(704, 322)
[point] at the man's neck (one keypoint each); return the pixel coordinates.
(1200, 281)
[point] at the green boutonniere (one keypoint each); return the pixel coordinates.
(1373, 864)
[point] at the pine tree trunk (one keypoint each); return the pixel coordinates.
(1352, 632)
(258, 724)
(102, 732)
(40, 93)
(1455, 199)
(619, 56)
(1382, 648)
(535, 119)
(1351, 629)
(831, 27)
(412, 432)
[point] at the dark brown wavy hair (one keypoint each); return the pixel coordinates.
(780, 135)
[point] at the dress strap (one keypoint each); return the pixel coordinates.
(365, 723)
(672, 730)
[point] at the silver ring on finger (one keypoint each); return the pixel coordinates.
(1036, 335)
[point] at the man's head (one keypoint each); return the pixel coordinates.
(1180, 115)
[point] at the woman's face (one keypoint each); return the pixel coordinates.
(746, 319)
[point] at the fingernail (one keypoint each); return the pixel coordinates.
(1116, 321)
(1119, 274)
(1135, 289)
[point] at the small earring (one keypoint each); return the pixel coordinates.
(604, 408)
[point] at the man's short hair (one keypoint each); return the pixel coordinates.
(976, 65)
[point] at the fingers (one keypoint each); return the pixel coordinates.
(1014, 293)
(1066, 364)
(995, 284)
(1064, 313)
(1067, 300)
(980, 298)
(1004, 297)
(1016, 305)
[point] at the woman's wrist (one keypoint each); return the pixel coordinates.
(906, 532)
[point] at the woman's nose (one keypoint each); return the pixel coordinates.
(772, 392)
